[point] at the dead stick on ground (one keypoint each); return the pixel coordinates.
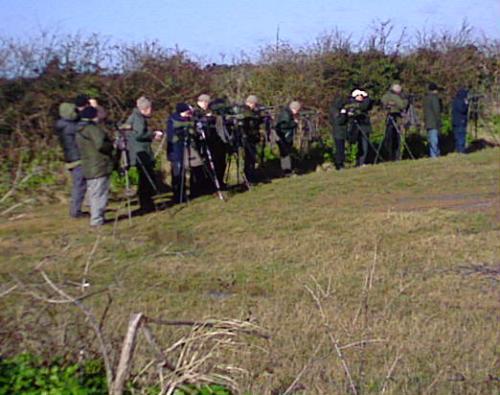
(306, 366)
(333, 340)
(390, 372)
(103, 344)
(126, 355)
(87, 264)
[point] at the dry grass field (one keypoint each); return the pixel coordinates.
(384, 279)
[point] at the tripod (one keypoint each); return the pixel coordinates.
(401, 135)
(365, 136)
(212, 172)
(239, 142)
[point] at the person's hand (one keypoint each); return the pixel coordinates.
(158, 134)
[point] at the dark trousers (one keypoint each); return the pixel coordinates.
(250, 160)
(78, 190)
(363, 142)
(460, 133)
(392, 141)
(218, 151)
(339, 153)
(146, 188)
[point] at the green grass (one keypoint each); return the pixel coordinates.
(423, 228)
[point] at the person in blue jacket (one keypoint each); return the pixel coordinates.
(459, 117)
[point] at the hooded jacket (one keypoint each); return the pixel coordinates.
(65, 129)
(96, 150)
(460, 109)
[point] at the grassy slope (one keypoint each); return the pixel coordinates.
(422, 228)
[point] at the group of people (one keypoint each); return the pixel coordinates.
(350, 120)
(202, 140)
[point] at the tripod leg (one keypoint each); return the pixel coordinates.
(402, 139)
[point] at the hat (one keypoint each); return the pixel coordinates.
(182, 107)
(433, 87)
(359, 92)
(82, 101)
(204, 97)
(88, 113)
(67, 111)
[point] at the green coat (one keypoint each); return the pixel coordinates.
(96, 150)
(338, 119)
(251, 121)
(394, 103)
(139, 138)
(432, 111)
(286, 125)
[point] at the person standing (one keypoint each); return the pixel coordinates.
(432, 119)
(339, 122)
(96, 150)
(188, 177)
(203, 115)
(66, 129)
(459, 117)
(286, 126)
(140, 152)
(360, 127)
(394, 104)
(250, 121)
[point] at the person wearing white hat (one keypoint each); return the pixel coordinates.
(360, 126)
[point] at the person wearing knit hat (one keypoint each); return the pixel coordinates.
(432, 119)
(395, 105)
(81, 101)
(188, 174)
(140, 152)
(66, 131)
(96, 150)
(286, 126)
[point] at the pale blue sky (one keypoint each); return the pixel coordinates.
(208, 28)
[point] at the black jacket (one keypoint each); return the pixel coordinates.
(66, 128)
(460, 109)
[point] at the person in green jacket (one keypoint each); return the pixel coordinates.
(250, 120)
(395, 105)
(339, 122)
(286, 126)
(432, 119)
(141, 155)
(96, 155)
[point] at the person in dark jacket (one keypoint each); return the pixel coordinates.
(65, 128)
(459, 117)
(250, 121)
(360, 127)
(432, 119)
(96, 150)
(206, 119)
(339, 122)
(395, 105)
(187, 166)
(141, 155)
(286, 127)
